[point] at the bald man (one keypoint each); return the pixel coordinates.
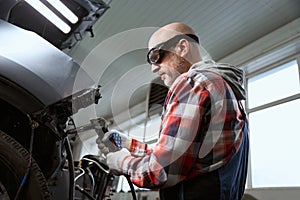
(202, 150)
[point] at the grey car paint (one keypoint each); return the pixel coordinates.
(38, 66)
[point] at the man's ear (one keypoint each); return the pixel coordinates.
(183, 47)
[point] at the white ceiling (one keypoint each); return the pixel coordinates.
(116, 55)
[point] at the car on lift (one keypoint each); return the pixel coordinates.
(40, 89)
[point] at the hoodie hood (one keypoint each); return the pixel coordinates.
(231, 74)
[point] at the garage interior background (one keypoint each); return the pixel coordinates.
(257, 35)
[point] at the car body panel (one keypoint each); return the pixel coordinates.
(39, 67)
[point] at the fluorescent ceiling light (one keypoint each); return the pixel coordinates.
(46, 12)
(66, 12)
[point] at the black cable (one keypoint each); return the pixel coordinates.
(80, 189)
(73, 122)
(92, 179)
(131, 187)
(33, 126)
(71, 168)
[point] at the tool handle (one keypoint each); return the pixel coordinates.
(112, 146)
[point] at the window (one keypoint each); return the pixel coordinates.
(275, 84)
(274, 107)
(274, 140)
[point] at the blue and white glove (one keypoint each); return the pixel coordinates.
(121, 140)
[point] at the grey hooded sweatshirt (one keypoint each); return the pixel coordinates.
(232, 75)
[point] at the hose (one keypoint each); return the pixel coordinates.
(80, 189)
(71, 168)
(131, 187)
(33, 126)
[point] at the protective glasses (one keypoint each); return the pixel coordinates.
(156, 54)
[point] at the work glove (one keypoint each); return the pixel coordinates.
(120, 139)
(101, 146)
(114, 161)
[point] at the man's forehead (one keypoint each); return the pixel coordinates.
(160, 36)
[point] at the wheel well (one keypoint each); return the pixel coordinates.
(46, 147)
(14, 123)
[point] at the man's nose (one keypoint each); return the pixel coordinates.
(155, 68)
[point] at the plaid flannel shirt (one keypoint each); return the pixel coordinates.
(201, 128)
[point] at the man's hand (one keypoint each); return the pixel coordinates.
(120, 139)
(101, 146)
(114, 160)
